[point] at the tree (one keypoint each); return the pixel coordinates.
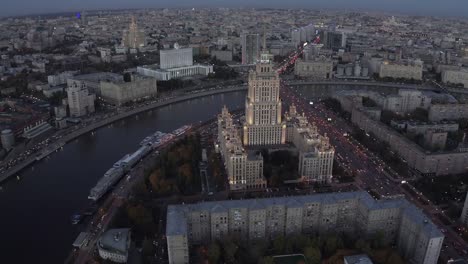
(214, 252)
(267, 260)
(394, 258)
(378, 240)
(230, 250)
(313, 255)
(279, 244)
(331, 245)
(147, 247)
(257, 250)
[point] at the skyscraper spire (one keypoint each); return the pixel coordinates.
(264, 39)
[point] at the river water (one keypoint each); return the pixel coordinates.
(35, 221)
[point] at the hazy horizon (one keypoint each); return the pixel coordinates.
(455, 8)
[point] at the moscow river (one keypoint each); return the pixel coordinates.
(35, 223)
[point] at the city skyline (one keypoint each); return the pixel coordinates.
(453, 8)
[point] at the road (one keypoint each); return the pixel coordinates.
(371, 172)
(99, 120)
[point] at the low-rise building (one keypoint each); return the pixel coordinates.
(120, 92)
(355, 213)
(174, 73)
(114, 245)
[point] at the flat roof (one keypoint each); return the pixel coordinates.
(177, 214)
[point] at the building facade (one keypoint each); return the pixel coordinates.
(418, 239)
(316, 69)
(409, 70)
(455, 77)
(244, 168)
(121, 92)
(439, 112)
(422, 161)
(250, 48)
(176, 58)
(263, 125)
(80, 101)
(175, 63)
(315, 152)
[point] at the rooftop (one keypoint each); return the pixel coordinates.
(357, 259)
(177, 224)
(115, 240)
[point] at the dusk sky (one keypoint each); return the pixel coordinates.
(420, 7)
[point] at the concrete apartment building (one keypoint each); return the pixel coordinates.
(315, 152)
(80, 101)
(455, 77)
(120, 92)
(263, 125)
(408, 70)
(404, 102)
(244, 168)
(421, 160)
(320, 68)
(415, 127)
(418, 239)
(439, 112)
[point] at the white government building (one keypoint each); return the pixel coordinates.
(175, 63)
(418, 239)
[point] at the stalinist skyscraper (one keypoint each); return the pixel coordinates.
(133, 37)
(263, 124)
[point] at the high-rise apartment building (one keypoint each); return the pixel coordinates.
(250, 48)
(80, 101)
(133, 37)
(355, 213)
(263, 124)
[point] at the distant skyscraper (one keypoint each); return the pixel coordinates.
(133, 38)
(79, 100)
(333, 40)
(263, 106)
(250, 48)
